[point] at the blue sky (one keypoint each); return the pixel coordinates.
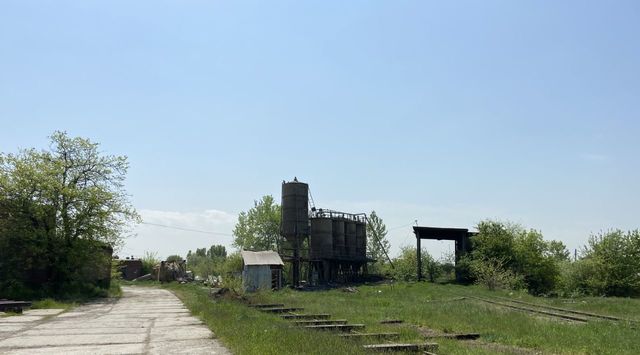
(448, 113)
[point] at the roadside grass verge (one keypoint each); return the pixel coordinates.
(245, 330)
(441, 308)
(52, 303)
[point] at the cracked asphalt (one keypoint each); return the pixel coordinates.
(143, 321)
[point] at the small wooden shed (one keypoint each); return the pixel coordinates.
(261, 270)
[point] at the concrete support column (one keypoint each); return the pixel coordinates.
(419, 258)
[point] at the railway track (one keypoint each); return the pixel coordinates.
(552, 311)
(532, 309)
(571, 311)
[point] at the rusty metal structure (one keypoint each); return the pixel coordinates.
(331, 244)
(462, 238)
(294, 225)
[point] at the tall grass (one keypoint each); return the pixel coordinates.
(51, 303)
(444, 308)
(149, 260)
(439, 307)
(246, 330)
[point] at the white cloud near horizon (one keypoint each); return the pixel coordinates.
(167, 241)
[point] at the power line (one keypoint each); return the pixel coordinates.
(186, 229)
(402, 226)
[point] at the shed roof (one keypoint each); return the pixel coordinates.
(261, 258)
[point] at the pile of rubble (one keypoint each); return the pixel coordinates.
(169, 271)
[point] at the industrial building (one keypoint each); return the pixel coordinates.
(331, 245)
(461, 237)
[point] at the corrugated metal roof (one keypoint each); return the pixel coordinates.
(261, 258)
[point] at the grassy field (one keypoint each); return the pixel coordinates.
(436, 307)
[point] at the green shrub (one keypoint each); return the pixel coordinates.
(149, 260)
(405, 267)
(232, 265)
(207, 262)
(174, 258)
(576, 277)
(493, 274)
(519, 251)
(610, 265)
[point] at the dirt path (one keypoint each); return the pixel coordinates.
(144, 321)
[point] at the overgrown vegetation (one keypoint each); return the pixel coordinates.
(443, 308)
(215, 262)
(405, 266)
(51, 303)
(508, 252)
(149, 260)
(232, 273)
(609, 266)
(207, 262)
(508, 256)
(62, 211)
(493, 274)
(246, 330)
(174, 258)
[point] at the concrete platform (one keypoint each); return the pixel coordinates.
(144, 321)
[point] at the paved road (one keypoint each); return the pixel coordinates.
(144, 321)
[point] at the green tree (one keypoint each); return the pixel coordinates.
(492, 274)
(205, 262)
(60, 210)
(377, 244)
(610, 264)
(217, 252)
(520, 252)
(259, 228)
(557, 250)
(405, 266)
(495, 241)
(533, 260)
(174, 258)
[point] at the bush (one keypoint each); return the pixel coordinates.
(492, 274)
(116, 277)
(149, 260)
(205, 263)
(174, 258)
(232, 265)
(516, 250)
(610, 265)
(575, 278)
(405, 267)
(232, 273)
